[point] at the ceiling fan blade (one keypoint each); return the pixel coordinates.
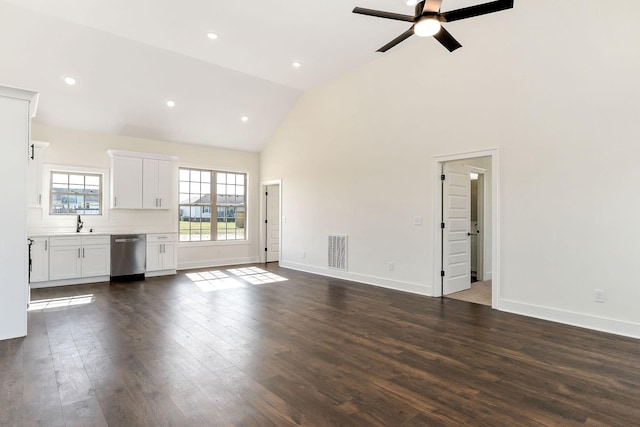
(480, 9)
(402, 37)
(447, 40)
(382, 14)
(432, 6)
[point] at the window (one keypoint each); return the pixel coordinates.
(75, 193)
(196, 205)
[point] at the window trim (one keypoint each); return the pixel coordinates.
(214, 207)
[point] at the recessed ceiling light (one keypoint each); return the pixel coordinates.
(212, 36)
(412, 2)
(244, 118)
(171, 103)
(70, 80)
(296, 64)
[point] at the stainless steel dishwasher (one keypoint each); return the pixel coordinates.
(128, 255)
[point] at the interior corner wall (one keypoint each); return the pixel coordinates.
(81, 149)
(356, 155)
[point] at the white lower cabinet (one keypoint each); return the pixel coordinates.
(39, 259)
(73, 257)
(161, 252)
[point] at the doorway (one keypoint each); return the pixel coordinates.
(467, 250)
(271, 235)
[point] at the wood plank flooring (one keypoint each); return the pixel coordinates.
(267, 346)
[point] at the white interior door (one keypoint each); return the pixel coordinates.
(456, 216)
(273, 223)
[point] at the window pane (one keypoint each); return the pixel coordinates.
(76, 179)
(60, 178)
(75, 193)
(92, 180)
(198, 207)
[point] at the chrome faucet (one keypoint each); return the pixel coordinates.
(79, 224)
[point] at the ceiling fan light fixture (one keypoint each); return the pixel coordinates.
(426, 27)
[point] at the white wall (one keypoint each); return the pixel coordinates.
(88, 150)
(553, 86)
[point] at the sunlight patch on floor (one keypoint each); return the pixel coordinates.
(209, 281)
(256, 276)
(63, 302)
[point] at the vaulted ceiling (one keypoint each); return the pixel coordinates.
(129, 57)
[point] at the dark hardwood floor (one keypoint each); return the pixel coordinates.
(232, 349)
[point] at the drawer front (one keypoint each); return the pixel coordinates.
(65, 241)
(161, 238)
(96, 240)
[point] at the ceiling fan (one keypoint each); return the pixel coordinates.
(428, 18)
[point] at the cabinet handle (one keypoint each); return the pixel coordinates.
(115, 202)
(78, 252)
(33, 151)
(82, 252)
(39, 199)
(156, 202)
(160, 202)
(45, 245)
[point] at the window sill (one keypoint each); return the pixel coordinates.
(214, 243)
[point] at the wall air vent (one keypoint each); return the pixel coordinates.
(338, 251)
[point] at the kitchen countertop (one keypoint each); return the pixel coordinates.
(89, 233)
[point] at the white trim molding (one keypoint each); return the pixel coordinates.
(414, 288)
(581, 320)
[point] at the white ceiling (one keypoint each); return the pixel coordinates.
(130, 56)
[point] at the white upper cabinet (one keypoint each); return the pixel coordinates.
(34, 173)
(157, 184)
(141, 181)
(126, 182)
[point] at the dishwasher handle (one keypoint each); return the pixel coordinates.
(126, 240)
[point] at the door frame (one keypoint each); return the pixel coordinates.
(263, 217)
(438, 161)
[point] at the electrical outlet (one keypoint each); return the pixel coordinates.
(303, 254)
(284, 219)
(417, 220)
(599, 295)
(391, 266)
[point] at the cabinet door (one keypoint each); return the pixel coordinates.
(96, 260)
(157, 184)
(34, 176)
(169, 261)
(165, 183)
(126, 180)
(39, 259)
(154, 256)
(150, 199)
(65, 262)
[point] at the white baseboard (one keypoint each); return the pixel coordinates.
(159, 273)
(65, 282)
(413, 288)
(217, 263)
(603, 324)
